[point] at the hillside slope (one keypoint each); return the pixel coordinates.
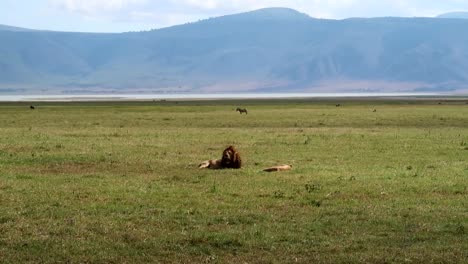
(267, 50)
(461, 15)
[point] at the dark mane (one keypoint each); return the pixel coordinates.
(231, 158)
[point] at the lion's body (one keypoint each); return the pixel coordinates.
(210, 164)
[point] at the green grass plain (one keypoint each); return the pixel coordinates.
(118, 182)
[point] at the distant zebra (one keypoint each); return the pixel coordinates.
(32, 107)
(241, 110)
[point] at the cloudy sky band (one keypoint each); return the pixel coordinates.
(136, 15)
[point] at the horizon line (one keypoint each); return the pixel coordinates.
(22, 29)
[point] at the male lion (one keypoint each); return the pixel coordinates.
(230, 159)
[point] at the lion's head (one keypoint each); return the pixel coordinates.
(231, 158)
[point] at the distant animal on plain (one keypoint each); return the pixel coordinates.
(241, 110)
(338, 105)
(230, 159)
(375, 110)
(32, 107)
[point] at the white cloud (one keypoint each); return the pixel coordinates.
(94, 7)
(161, 13)
(204, 4)
(333, 8)
(256, 4)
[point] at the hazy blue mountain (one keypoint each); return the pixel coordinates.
(273, 49)
(10, 28)
(463, 15)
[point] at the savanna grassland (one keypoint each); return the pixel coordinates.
(118, 182)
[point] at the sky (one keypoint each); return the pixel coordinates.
(138, 15)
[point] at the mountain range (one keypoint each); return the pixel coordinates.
(461, 15)
(267, 50)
